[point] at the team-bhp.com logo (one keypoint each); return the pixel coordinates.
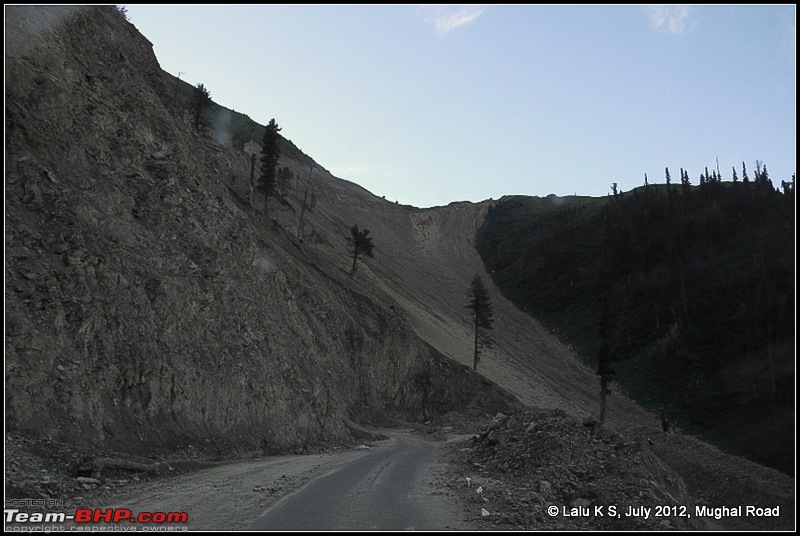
(95, 515)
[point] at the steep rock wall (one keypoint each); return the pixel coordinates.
(149, 306)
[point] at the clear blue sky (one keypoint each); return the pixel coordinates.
(428, 105)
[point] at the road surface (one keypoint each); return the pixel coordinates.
(399, 483)
(384, 490)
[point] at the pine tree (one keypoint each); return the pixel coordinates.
(269, 161)
(788, 187)
(361, 243)
(483, 314)
(200, 105)
(785, 186)
(685, 184)
(762, 178)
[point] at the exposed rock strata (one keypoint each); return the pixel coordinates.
(146, 304)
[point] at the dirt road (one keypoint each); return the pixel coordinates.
(391, 485)
(383, 490)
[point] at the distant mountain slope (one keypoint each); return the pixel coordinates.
(424, 260)
(698, 288)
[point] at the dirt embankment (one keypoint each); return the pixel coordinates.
(523, 465)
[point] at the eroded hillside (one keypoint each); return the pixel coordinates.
(147, 305)
(424, 260)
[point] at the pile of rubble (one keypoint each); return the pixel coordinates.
(40, 469)
(43, 469)
(546, 470)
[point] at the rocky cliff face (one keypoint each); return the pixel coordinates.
(147, 304)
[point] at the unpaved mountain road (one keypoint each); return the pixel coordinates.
(390, 486)
(383, 490)
(407, 482)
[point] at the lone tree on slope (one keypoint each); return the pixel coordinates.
(361, 243)
(269, 161)
(482, 312)
(200, 105)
